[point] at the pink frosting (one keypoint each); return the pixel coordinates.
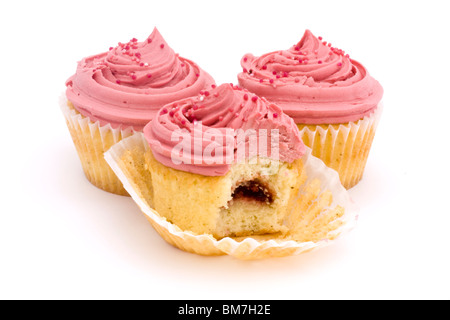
(313, 82)
(224, 110)
(127, 85)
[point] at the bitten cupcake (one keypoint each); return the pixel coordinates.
(226, 163)
(116, 93)
(331, 97)
(231, 176)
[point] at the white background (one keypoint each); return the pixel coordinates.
(61, 238)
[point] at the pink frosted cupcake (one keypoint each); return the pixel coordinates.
(231, 175)
(225, 163)
(332, 99)
(115, 93)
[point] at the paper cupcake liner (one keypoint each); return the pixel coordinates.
(91, 141)
(323, 211)
(343, 147)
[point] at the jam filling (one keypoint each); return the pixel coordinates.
(253, 190)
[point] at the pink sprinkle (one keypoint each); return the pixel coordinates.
(171, 113)
(245, 96)
(110, 48)
(285, 74)
(149, 40)
(261, 80)
(244, 70)
(164, 111)
(271, 80)
(297, 48)
(254, 98)
(134, 40)
(319, 62)
(275, 115)
(195, 107)
(162, 46)
(278, 76)
(149, 75)
(274, 73)
(118, 81)
(133, 77)
(206, 93)
(339, 64)
(183, 122)
(213, 86)
(197, 75)
(220, 118)
(297, 80)
(264, 67)
(137, 54)
(141, 64)
(320, 38)
(245, 59)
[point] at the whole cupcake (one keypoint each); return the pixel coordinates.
(115, 93)
(225, 163)
(331, 97)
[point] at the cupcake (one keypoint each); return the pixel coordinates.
(331, 97)
(231, 176)
(225, 163)
(116, 93)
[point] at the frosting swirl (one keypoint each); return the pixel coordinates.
(313, 82)
(215, 126)
(127, 85)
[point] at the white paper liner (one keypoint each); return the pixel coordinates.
(91, 146)
(250, 247)
(353, 161)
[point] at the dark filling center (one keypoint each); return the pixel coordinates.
(253, 190)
